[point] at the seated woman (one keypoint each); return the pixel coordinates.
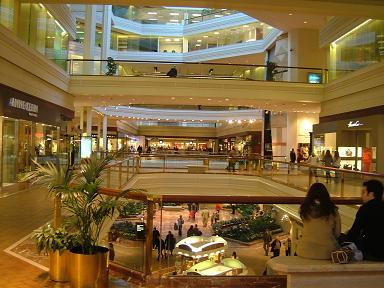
(321, 224)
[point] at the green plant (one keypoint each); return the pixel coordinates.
(131, 208)
(111, 66)
(87, 208)
(49, 239)
(56, 179)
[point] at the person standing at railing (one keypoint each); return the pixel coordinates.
(313, 160)
(337, 164)
(292, 157)
(231, 161)
(328, 162)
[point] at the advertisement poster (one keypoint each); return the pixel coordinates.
(367, 160)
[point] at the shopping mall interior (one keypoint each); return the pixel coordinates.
(176, 133)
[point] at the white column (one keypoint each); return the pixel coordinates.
(105, 127)
(304, 51)
(99, 123)
(291, 132)
(81, 124)
(89, 37)
(105, 47)
(89, 121)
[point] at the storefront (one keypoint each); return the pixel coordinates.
(359, 141)
(183, 144)
(30, 129)
(249, 143)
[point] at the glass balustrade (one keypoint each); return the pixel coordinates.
(211, 71)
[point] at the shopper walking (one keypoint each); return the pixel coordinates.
(275, 247)
(292, 158)
(155, 238)
(267, 238)
(231, 159)
(205, 216)
(170, 243)
(180, 222)
(191, 231)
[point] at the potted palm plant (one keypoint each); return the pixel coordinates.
(53, 241)
(89, 213)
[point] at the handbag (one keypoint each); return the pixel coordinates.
(342, 255)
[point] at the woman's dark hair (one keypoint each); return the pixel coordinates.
(317, 203)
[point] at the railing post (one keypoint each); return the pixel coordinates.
(127, 170)
(310, 176)
(342, 184)
(164, 163)
(120, 173)
(137, 164)
(109, 177)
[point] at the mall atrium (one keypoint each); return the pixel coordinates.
(154, 143)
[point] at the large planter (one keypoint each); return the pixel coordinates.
(88, 271)
(58, 266)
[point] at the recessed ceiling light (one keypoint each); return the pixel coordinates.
(198, 45)
(245, 26)
(190, 98)
(305, 22)
(173, 98)
(209, 99)
(173, 20)
(218, 16)
(167, 40)
(290, 14)
(199, 40)
(261, 24)
(174, 14)
(216, 33)
(196, 15)
(152, 19)
(152, 13)
(226, 99)
(205, 36)
(177, 39)
(195, 21)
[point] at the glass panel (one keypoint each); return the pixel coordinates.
(42, 32)
(362, 47)
(7, 13)
(9, 150)
(25, 151)
(127, 236)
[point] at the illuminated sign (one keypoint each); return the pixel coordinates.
(354, 124)
(32, 109)
(86, 147)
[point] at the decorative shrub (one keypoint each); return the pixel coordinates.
(246, 229)
(126, 230)
(131, 208)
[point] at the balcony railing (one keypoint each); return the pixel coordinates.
(190, 70)
(341, 183)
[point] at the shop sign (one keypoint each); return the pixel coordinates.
(31, 108)
(352, 124)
